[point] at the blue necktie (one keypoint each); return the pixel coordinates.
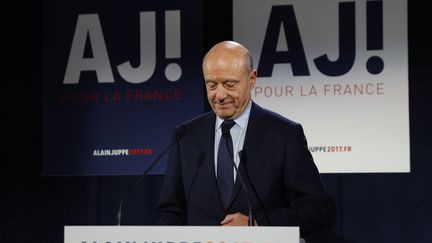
(225, 173)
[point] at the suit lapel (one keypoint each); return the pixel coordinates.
(251, 147)
(253, 141)
(205, 136)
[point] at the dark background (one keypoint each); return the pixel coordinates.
(380, 207)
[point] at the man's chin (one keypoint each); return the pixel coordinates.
(224, 114)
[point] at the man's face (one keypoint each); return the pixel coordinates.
(228, 84)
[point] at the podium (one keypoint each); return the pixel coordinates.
(180, 234)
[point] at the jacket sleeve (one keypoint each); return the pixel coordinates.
(171, 208)
(307, 203)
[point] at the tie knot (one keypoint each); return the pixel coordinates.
(226, 127)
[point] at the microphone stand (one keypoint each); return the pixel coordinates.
(180, 132)
(245, 190)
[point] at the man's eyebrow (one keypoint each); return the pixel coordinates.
(225, 81)
(232, 80)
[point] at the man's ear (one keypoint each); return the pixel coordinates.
(252, 78)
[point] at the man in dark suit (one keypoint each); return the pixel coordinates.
(282, 182)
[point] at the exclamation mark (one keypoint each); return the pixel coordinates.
(173, 70)
(374, 35)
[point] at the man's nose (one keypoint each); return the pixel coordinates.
(220, 93)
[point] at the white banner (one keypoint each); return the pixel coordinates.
(341, 70)
(180, 234)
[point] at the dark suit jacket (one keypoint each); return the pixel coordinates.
(283, 182)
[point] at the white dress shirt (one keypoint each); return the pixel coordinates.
(238, 133)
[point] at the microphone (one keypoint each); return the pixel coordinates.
(244, 161)
(226, 134)
(199, 163)
(179, 133)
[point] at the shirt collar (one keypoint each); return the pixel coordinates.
(241, 120)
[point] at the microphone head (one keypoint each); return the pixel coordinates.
(180, 131)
